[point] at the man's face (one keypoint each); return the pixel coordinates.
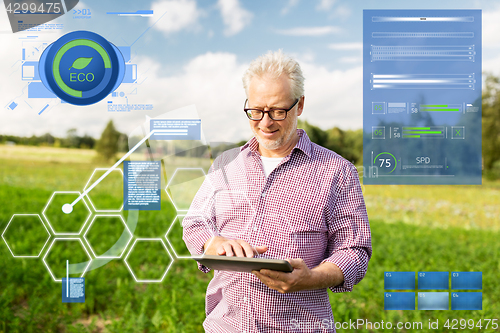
(267, 93)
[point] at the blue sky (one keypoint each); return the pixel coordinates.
(197, 52)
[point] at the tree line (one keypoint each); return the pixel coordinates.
(347, 143)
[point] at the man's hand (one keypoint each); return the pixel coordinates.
(298, 279)
(301, 278)
(232, 247)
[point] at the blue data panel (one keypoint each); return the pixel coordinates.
(399, 301)
(422, 96)
(433, 301)
(466, 280)
(399, 280)
(466, 301)
(433, 280)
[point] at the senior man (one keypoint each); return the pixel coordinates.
(279, 196)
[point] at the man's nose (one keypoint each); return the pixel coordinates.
(266, 121)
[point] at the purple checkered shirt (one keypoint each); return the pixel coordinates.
(310, 207)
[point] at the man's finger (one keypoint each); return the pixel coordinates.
(261, 249)
(228, 249)
(249, 251)
(273, 284)
(275, 275)
(265, 279)
(220, 250)
(296, 263)
(237, 249)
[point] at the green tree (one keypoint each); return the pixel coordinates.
(491, 124)
(107, 146)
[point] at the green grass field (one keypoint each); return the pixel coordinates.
(414, 228)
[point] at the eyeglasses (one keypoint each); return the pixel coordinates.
(274, 114)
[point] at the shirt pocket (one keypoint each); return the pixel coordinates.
(291, 238)
(309, 239)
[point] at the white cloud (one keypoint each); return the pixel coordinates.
(492, 64)
(351, 60)
(235, 17)
(346, 46)
(343, 12)
(325, 5)
(310, 31)
(491, 28)
(177, 15)
(333, 98)
(289, 6)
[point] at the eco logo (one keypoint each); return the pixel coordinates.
(81, 68)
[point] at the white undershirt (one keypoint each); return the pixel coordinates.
(270, 163)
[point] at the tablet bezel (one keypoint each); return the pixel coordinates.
(243, 264)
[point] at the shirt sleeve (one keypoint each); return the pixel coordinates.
(199, 223)
(349, 237)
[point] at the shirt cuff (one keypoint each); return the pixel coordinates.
(197, 244)
(346, 261)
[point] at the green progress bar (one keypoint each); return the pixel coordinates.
(416, 128)
(433, 106)
(411, 136)
(439, 110)
(423, 132)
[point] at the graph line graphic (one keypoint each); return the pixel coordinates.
(68, 208)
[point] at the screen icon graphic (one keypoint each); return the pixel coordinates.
(81, 68)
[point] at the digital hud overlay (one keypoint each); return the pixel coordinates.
(422, 96)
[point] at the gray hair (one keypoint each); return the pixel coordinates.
(276, 64)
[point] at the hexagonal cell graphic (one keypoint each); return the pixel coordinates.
(62, 250)
(107, 195)
(62, 223)
(26, 235)
(174, 238)
(183, 185)
(107, 236)
(148, 260)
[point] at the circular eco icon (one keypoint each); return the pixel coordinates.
(81, 68)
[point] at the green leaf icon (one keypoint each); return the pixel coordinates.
(81, 63)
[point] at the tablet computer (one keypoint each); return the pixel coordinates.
(243, 264)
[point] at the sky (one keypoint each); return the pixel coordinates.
(195, 53)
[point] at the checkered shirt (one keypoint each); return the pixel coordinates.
(310, 207)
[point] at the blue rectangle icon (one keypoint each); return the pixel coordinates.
(399, 280)
(38, 90)
(73, 290)
(399, 301)
(466, 280)
(467, 301)
(176, 129)
(433, 280)
(130, 73)
(125, 51)
(433, 301)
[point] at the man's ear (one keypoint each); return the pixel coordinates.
(300, 106)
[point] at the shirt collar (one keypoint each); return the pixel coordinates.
(303, 144)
